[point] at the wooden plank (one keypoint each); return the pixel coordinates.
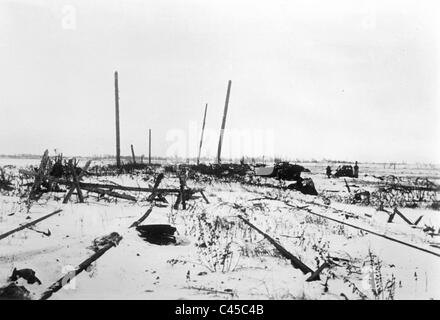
(27, 225)
(125, 188)
(156, 185)
(294, 260)
(204, 197)
(402, 216)
(81, 267)
(110, 193)
(141, 219)
(315, 275)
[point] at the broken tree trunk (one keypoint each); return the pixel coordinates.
(27, 225)
(81, 267)
(201, 137)
(295, 261)
(118, 146)
(225, 112)
(132, 155)
(72, 188)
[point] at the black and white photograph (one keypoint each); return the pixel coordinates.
(231, 150)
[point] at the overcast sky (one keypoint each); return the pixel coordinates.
(349, 80)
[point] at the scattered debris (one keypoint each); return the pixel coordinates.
(27, 225)
(102, 245)
(101, 242)
(26, 274)
(305, 186)
(14, 292)
(160, 234)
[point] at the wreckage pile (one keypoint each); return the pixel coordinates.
(65, 176)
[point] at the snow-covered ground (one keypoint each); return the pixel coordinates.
(217, 255)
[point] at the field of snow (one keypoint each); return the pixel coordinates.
(217, 255)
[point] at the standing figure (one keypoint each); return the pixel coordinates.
(328, 171)
(356, 170)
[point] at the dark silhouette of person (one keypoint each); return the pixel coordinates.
(356, 170)
(328, 171)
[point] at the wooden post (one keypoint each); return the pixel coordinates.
(294, 260)
(149, 146)
(77, 186)
(118, 141)
(112, 240)
(225, 112)
(201, 137)
(132, 155)
(156, 185)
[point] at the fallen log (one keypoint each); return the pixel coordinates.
(294, 260)
(81, 267)
(110, 193)
(27, 225)
(125, 188)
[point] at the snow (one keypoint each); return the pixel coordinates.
(136, 269)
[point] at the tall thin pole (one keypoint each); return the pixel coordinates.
(201, 137)
(133, 155)
(118, 143)
(149, 146)
(220, 141)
